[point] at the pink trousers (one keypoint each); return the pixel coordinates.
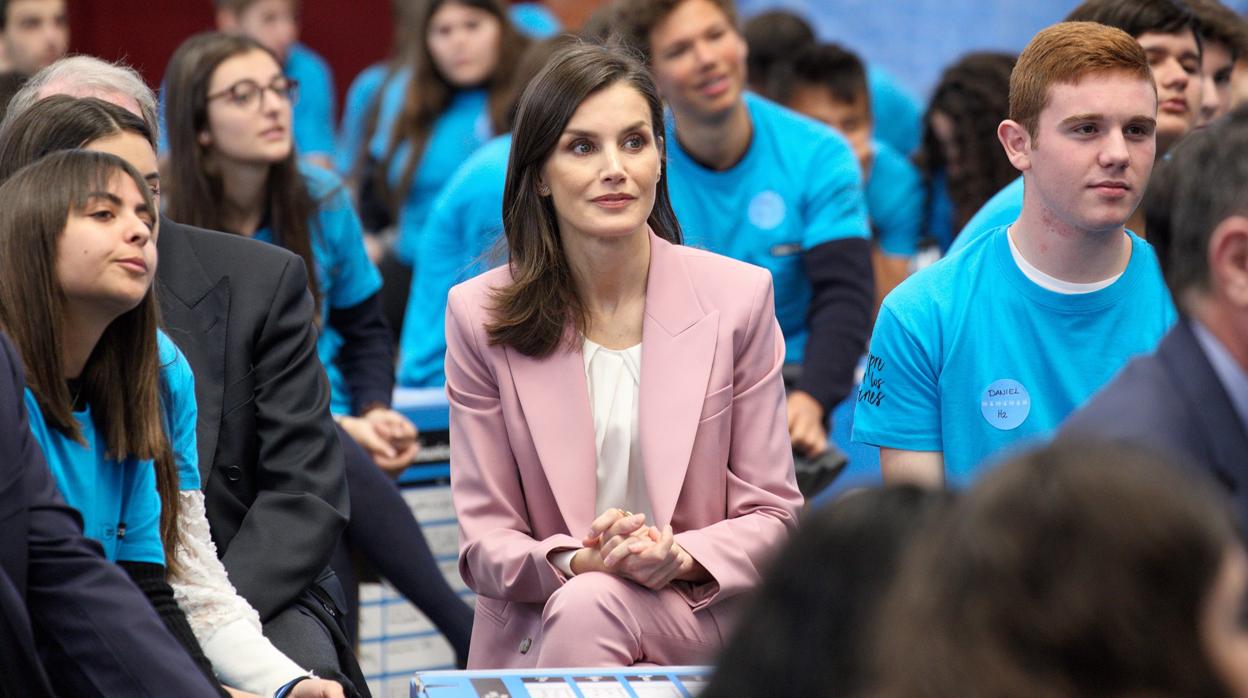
(599, 620)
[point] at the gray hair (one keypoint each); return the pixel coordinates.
(86, 76)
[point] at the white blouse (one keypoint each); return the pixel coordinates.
(227, 627)
(614, 380)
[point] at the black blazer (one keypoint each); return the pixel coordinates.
(269, 456)
(71, 622)
(1173, 401)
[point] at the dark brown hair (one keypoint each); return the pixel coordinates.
(121, 380)
(774, 37)
(1221, 24)
(193, 190)
(532, 313)
(428, 95)
(1075, 570)
(61, 122)
(635, 19)
(833, 67)
(808, 630)
(974, 93)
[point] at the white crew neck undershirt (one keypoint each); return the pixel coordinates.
(1052, 283)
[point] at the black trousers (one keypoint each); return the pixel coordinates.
(384, 532)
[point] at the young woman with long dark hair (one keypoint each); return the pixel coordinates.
(447, 96)
(233, 167)
(226, 627)
(619, 440)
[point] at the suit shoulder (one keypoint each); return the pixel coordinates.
(1137, 405)
(476, 292)
(225, 252)
(722, 282)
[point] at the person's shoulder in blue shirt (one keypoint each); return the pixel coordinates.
(797, 186)
(314, 108)
(970, 357)
(180, 410)
(1002, 209)
(894, 192)
(534, 20)
(464, 223)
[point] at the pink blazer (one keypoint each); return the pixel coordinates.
(713, 431)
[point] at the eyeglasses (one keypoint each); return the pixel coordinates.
(248, 94)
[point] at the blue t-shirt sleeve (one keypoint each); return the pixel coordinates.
(352, 276)
(181, 411)
(899, 400)
(314, 110)
(141, 542)
(895, 202)
(364, 89)
(835, 207)
(1002, 209)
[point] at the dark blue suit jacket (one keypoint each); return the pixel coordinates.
(1172, 400)
(71, 622)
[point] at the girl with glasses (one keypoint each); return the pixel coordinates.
(233, 167)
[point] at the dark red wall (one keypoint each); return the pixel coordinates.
(350, 34)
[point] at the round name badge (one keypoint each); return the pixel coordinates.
(767, 210)
(1005, 404)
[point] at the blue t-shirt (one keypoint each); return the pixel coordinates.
(894, 192)
(457, 133)
(897, 115)
(798, 186)
(344, 273)
(1002, 209)
(360, 97)
(118, 500)
(180, 410)
(970, 357)
(314, 109)
(465, 222)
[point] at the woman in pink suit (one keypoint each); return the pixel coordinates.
(607, 370)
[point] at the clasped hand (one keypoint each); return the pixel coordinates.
(387, 436)
(621, 543)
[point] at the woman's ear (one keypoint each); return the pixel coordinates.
(204, 138)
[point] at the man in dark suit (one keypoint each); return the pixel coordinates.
(71, 622)
(269, 454)
(1190, 397)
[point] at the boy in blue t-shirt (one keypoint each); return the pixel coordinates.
(755, 181)
(829, 83)
(275, 24)
(993, 347)
(1166, 31)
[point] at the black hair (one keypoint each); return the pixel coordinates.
(834, 67)
(772, 37)
(1137, 17)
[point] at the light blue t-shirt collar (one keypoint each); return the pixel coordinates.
(1073, 303)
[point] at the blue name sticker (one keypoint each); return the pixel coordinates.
(767, 210)
(1005, 404)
